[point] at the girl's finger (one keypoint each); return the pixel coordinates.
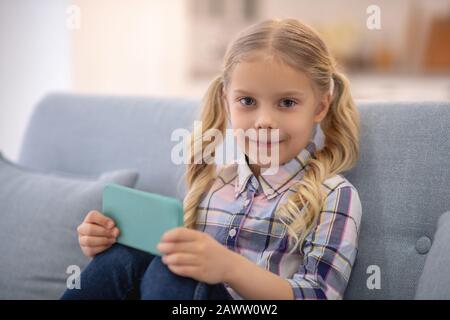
(88, 241)
(90, 229)
(98, 218)
(185, 259)
(185, 271)
(172, 247)
(181, 234)
(92, 251)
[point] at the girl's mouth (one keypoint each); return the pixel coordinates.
(266, 144)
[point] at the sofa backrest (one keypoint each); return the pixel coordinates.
(88, 134)
(402, 175)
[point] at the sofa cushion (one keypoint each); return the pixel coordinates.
(39, 214)
(434, 283)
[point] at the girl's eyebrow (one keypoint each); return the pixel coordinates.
(285, 93)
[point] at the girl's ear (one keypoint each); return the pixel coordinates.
(322, 108)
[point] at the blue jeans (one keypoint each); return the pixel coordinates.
(121, 272)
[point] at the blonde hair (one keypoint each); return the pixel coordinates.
(301, 47)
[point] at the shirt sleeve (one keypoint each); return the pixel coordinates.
(329, 251)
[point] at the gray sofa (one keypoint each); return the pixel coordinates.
(402, 175)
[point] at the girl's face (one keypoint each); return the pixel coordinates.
(267, 94)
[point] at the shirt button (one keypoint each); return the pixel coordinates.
(247, 202)
(232, 232)
(270, 191)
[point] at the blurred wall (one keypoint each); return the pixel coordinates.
(34, 59)
(130, 47)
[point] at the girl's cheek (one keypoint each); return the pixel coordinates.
(300, 125)
(296, 129)
(237, 121)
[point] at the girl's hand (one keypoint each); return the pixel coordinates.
(195, 254)
(96, 234)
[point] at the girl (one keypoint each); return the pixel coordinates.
(249, 234)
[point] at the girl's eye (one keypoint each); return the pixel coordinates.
(247, 100)
(291, 104)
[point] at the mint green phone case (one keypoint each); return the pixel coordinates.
(141, 217)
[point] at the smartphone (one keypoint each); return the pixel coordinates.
(141, 217)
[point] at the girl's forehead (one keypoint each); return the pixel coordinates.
(259, 72)
(265, 61)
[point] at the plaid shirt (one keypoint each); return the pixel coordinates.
(238, 211)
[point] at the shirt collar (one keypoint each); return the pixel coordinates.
(275, 184)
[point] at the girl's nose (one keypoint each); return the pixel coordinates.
(266, 120)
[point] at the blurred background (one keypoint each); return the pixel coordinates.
(175, 47)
